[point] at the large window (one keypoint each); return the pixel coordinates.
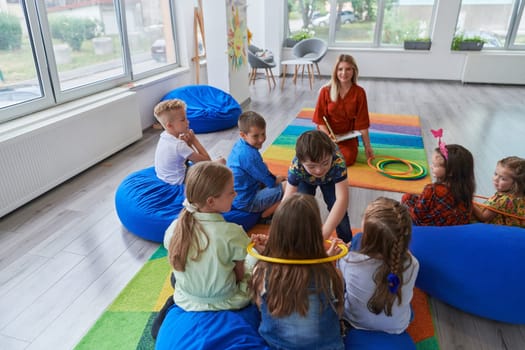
(362, 23)
(498, 22)
(56, 50)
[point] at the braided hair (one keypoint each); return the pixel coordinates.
(387, 231)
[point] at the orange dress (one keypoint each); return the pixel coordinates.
(344, 115)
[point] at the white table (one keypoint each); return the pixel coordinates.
(298, 63)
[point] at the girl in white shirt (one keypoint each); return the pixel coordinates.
(381, 274)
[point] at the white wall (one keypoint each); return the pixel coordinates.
(221, 74)
(266, 22)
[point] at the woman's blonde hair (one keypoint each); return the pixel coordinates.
(204, 180)
(335, 85)
(296, 233)
(387, 230)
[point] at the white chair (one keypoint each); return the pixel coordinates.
(313, 49)
(256, 62)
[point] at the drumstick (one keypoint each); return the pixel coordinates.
(329, 128)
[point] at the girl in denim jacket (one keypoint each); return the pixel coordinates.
(300, 303)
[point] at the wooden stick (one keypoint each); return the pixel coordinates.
(330, 129)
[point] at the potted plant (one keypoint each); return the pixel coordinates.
(294, 38)
(417, 44)
(462, 43)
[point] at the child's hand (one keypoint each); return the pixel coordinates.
(334, 248)
(260, 242)
(186, 136)
(191, 137)
(280, 178)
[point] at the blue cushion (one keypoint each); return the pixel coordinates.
(374, 340)
(208, 108)
(477, 268)
(146, 206)
(211, 330)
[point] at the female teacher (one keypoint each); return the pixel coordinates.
(343, 103)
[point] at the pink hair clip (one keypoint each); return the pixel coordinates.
(442, 146)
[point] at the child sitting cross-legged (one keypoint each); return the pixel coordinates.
(258, 190)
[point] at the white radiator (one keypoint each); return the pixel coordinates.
(497, 68)
(70, 139)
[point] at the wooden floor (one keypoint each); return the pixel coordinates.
(64, 257)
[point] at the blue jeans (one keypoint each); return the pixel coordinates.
(265, 198)
(344, 231)
(319, 329)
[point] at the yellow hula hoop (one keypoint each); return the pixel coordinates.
(253, 252)
(395, 159)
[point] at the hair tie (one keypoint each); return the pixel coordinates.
(393, 283)
(442, 146)
(189, 207)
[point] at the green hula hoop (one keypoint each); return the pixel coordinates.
(419, 170)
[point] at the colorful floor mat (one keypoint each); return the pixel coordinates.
(127, 322)
(391, 135)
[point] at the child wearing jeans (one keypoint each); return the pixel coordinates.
(300, 304)
(379, 272)
(177, 143)
(318, 163)
(507, 205)
(258, 190)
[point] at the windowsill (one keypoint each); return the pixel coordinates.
(56, 113)
(145, 82)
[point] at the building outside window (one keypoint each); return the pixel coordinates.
(56, 51)
(497, 22)
(362, 23)
(387, 23)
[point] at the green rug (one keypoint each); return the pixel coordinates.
(127, 322)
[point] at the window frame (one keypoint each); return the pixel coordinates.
(39, 36)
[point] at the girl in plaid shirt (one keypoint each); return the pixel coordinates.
(447, 201)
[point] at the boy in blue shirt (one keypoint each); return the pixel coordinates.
(258, 190)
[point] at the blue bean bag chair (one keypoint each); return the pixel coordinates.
(477, 268)
(373, 340)
(210, 330)
(208, 108)
(146, 206)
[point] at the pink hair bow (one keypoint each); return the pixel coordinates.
(442, 146)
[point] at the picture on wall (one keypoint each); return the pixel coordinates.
(237, 33)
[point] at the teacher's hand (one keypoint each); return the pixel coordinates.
(369, 152)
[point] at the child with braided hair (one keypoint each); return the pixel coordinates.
(509, 181)
(380, 275)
